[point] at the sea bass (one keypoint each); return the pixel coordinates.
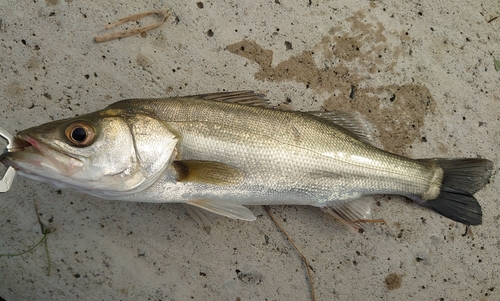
(219, 152)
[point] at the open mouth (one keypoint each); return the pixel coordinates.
(32, 156)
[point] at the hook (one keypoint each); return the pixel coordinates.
(8, 177)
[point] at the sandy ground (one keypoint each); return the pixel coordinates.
(422, 72)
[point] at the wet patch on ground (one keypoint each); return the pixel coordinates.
(342, 65)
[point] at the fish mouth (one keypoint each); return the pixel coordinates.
(34, 157)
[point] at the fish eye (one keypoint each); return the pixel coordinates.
(80, 133)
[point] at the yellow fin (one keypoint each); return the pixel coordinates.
(207, 172)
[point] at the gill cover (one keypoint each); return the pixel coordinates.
(155, 147)
(152, 146)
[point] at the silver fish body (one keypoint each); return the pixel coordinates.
(220, 151)
(285, 157)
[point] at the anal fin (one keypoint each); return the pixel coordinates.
(224, 208)
(353, 213)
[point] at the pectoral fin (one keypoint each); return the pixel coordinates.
(230, 210)
(207, 172)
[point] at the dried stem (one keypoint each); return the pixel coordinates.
(309, 275)
(131, 32)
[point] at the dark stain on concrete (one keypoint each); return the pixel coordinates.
(339, 64)
(393, 281)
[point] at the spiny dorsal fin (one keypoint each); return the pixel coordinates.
(207, 172)
(231, 210)
(248, 98)
(354, 123)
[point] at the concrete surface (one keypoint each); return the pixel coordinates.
(422, 72)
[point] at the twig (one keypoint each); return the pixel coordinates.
(131, 32)
(309, 275)
(493, 19)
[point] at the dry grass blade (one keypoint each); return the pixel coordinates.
(493, 19)
(309, 275)
(45, 232)
(131, 32)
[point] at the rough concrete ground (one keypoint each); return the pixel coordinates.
(421, 71)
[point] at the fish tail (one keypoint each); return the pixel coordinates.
(461, 179)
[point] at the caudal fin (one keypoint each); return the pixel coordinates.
(462, 179)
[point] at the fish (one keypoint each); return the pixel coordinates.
(220, 152)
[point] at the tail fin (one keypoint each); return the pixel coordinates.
(462, 178)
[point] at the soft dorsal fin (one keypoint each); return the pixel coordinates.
(231, 210)
(207, 172)
(249, 98)
(354, 123)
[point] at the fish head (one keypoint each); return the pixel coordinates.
(108, 153)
